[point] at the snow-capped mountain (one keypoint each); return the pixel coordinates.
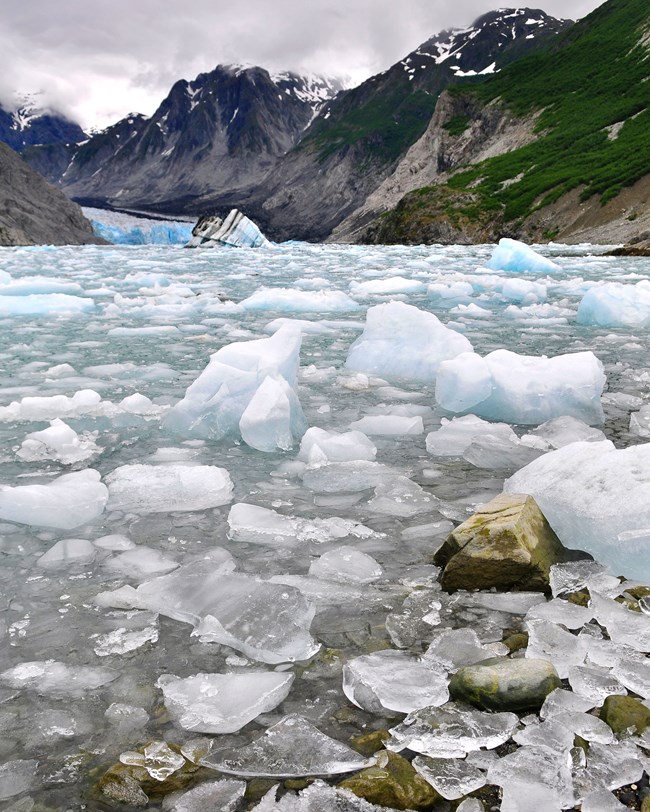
(224, 130)
(27, 122)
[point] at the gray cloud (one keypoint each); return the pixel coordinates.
(101, 59)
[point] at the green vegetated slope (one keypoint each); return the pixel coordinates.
(595, 78)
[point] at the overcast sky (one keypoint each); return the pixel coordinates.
(98, 60)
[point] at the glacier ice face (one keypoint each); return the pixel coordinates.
(616, 305)
(224, 398)
(401, 342)
(163, 488)
(606, 511)
(522, 388)
(512, 255)
(223, 703)
(292, 748)
(66, 502)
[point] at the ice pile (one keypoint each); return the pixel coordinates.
(616, 305)
(223, 703)
(236, 231)
(163, 488)
(248, 388)
(523, 388)
(512, 255)
(292, 748)
(401, 342)
(606, 511)
(59, 443)
(64, 503)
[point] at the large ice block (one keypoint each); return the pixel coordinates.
(523, 388)
(616, 305)
(401, 342)
(512, 255)
(235, 231)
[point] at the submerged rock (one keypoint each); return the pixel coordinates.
(501, 684)
(393, 783)
(236, 231)
(507, 544)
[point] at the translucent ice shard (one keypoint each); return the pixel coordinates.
(547, 641)
(292, 748)
(394, 681)
(222, 703)
(64, 503)
(625, 627)
(595, 684)
(452, 731)
(347, 565)
(533, 778)
(51, 678)
(222, 795)
(608, 767)
(451, 778)
(165, 488)
(453, 648)
(157, 758)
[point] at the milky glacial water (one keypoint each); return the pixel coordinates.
(188, 303)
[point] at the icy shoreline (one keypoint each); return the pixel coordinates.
(342, 532)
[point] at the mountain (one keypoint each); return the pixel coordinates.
(32, 212)
(554, 147)
(359, 136)
(221, 132)
(28, 123)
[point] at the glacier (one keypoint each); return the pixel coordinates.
(222, 483)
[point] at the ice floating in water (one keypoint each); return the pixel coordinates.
(561, 431)
(236, 231)
(169, 487)
(387, 287)
(140, 563)
(259, 525)
(265, 621)
(606, 511)
(452, 731)
(17, 777)
(292, 748)
(616, 305)
(394, 681)
(512, 255)
(51, 678)
(43, 304)
(59, 443)
(289, 300)
(64, 503)
(85, 403)
(401, 342)
(68, 552)
(226, 392)
(347, 565)
(389, 425)
(318, 446)
(523, 388)
(222, 703)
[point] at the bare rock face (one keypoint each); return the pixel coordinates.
(506, 544)
(34, 213)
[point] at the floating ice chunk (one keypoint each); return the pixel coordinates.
(64, 503)
(452, 731)
(400, 496)
(290, 300)
(512, 255)
(640, 422)
(533, 778)
(330, 446)
(165, 488)
(85, 403)
(273, 418)
(459, 291)
(389, 425)
(606, 511)
(347, 565)
(401, 342)
(68, 553)
(124, 640)
(223, 796)
(451, 778)
(394, 681)
(115, 541)
(42, 304)
(561, 431)
(51, 678)
(471, 311)
(523, 388)
(16, 777)
(141, 562)
(214, 404)
(386, 287)
(414, 623)
(524, 291)
(59, 443)
(126, 718)
(546, 641)
(235, 231)
(453, 648)
(616, 305)
(292, 748)
(324, 594)
(222, 703)
(353, 476)
(455, 436)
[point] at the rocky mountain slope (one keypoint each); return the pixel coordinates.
(32, 212)
(359, 136)
(220, 133)
(555, 147)
(28, 123)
